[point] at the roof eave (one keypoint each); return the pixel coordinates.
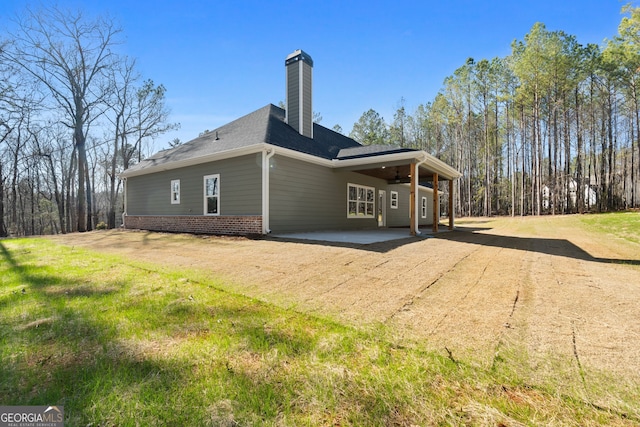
(222, 155)
(440, 167)
(430, 163)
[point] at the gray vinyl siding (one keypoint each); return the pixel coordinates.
(400, 217)
(299, 98)
(307, 124)
(303, 196)
(428, 193)
(240, 189)
(309, 197)
(293, 98)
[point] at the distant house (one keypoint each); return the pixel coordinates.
(277, 171)
(589, 196)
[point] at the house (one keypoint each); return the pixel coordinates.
(275, 170)
(589, 196)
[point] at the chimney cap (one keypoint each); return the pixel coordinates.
(298, 55)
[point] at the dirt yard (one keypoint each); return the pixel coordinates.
(490, 287)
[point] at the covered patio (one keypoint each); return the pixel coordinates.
(406, 166)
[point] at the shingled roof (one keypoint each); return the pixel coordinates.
(266, 125)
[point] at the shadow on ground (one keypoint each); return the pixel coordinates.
(556, 247)
(474, 235)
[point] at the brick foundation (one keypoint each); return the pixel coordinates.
(227, 224)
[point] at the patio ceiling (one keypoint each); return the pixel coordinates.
(396, 167)
(400, 174)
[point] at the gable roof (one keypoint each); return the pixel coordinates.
(264, 126)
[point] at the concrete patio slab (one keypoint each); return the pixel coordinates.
(362, 237)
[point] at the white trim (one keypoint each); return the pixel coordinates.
(205, 196)
(445, 171)
(222, 155)
(382, 208)
(395, 199)
(301, 97)
(358, 201)
(287, 152)
(266, 168)
(175, 201)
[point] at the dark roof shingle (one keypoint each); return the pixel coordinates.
(265, 125)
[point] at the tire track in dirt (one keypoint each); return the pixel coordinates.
(577, 310)
(422, 289)
(377, 284)
(595, 304)
(460, 302)
(466, 308)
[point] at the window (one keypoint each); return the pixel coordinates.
(360, 201)
(394, 200)
(175, 191)
(423, 207)
(212, 194)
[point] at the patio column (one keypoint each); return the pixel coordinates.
(412, 200)
(451, 215)
(435, 203)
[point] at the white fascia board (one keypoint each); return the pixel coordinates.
(431, 163)
(251, 149)
(309, 158)
(441, 168)
(371, 160)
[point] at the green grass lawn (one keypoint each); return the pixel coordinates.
(120, 343)
(624, 225)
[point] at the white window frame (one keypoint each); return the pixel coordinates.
(423, 207)
(175, 191)
(393, 199)
(207, 196)
(364, 206)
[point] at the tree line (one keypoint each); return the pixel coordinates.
(551, 128)
(73, 114)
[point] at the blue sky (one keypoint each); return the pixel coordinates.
(220, 60)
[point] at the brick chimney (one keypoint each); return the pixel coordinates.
(299, 111)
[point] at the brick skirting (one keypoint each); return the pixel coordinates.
(228, 224)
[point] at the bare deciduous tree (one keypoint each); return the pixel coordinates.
(69, 56)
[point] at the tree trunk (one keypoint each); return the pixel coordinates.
(111, 217)
(610, 158)
(566, 176)
(82, 170)
(90, 198)
(3, 226)
(580, 185)
(634, 169)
